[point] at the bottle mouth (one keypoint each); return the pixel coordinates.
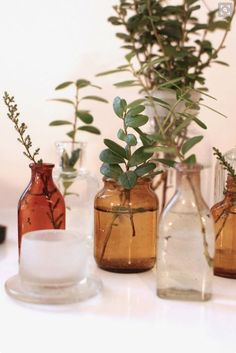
(41, 165)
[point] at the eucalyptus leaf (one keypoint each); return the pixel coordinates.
(137, 110)
(111, 72)
(145, 168)
(135, 103)
(121, 135)
(127, 83)
(114, 147)
(119, 106)
(136, 121)
(82, 83)
(168, 162)
(131, 140)
(107, 156)
(139, 156)
(128, 179)
(111, 170)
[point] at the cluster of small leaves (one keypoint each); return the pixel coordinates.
(169, 40)
(21, 128)
(83, 115)
(226, 165)
(121, 163)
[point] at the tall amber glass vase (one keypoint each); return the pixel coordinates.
(125, 227)
(41, 206)
(224, 214)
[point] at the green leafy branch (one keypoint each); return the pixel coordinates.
(121, 163)
(79, 115)
(21, 128)
(226, 165)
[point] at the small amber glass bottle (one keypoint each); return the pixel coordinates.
(125, 227)
(41, 205)
(224, 214)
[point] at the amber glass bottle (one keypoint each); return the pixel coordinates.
(125, 227)
(224, 214)
(41, 206)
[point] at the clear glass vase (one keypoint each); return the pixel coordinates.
(77, 186)
(224, 214)
(186, 241)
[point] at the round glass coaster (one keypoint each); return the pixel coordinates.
(84, 289)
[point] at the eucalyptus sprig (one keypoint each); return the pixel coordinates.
(122, 163)
(79, 114)
(21, 128)
(226, 165)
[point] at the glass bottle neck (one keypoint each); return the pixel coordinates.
(230, 185)
(41, 173)
(188, 181)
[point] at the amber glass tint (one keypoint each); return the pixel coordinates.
(125, 227)
(41, 206)
(224, 214)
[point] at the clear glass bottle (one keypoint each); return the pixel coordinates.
(77, 186)
(125, 227)
(41, 206)
(186, 241)
(224, 214)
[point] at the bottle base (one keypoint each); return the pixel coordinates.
(180, 294)
(120, 266)
(225, 273)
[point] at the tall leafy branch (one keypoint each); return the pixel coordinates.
(79, 115)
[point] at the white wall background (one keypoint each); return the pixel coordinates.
(47, 42)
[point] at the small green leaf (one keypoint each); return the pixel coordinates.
(200, 123)
(74, 157)
(119, 106)
(130, 56)
(220, 62)
(145, 169)
(121, 135)
(71, 134)
(131, 140)
(114, 147)
(64, 85)
(215, 111)
(158, 100)
(84, 116)
(91, 129)
(128, 179)
(82, 83)
(137, 110)
(127, 83)
(165, 149)
(107, 156)
(111, 72)
(135, 103)
(96, 98)
(139, 156)
(136, 121)
(190, 143)
(191, 160)
(62, 100)
(59, 122)
(168, 162)
(111, 170)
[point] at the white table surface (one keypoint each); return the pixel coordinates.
(126, 317)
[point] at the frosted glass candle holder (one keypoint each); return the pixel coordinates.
(53, 268)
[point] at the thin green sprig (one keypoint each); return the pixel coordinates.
(226, 165)
(21, 128)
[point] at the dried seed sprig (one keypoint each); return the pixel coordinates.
(21, 128)
(226, 165)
